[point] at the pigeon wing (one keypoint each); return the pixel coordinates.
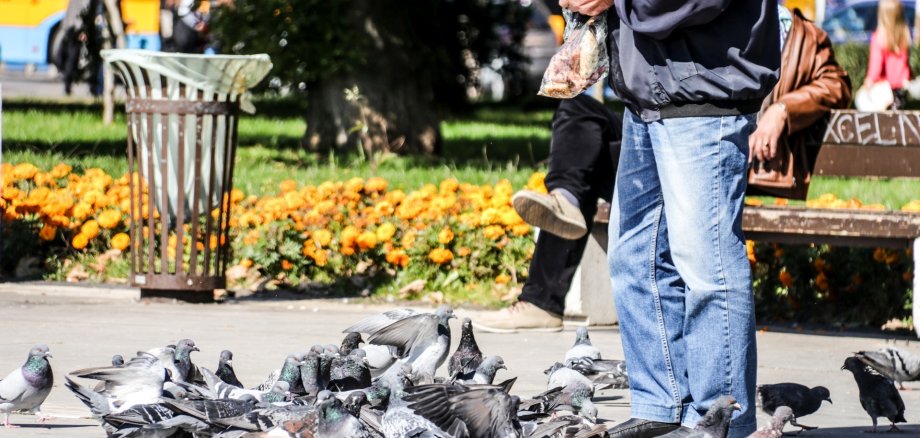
(139, 381)
(407, 332)
(372, 324)
(13, 386)
(483, 411)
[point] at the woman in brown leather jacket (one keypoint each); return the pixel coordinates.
(793, 117)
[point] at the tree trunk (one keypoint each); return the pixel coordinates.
(385, 105)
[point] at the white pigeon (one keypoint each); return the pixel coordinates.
(582, 348)
(27, 387)
(893, 363)
(138, 382)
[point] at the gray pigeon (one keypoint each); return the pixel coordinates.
(138, 382)
(577, 391)
(893, 363)
(605, 373)
(802, 400)
(217, 388)
(485, 372)
(118, 361)
(334, 421)
(462, 365)
(349, 372)
(582, 347)
(289, 372)
(464, 411)
(225, 369)
(309, 373)
(714, 424)
(877, 394)
(279, 393)
(183, 360)
(421, 339)
(27, 387)
(774, 429)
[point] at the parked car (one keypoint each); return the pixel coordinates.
(856, 20)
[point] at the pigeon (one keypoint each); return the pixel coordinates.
(714, 424)
(225, 369)
(420, 339)
(309, 373)
(138, 382)
(462, 365)
(802, 400)
(485, 373)
(577, 391)
(27, 387)
(217, 388)
(334, 421)
(877, 394)
(213, 410)
(774, 429)
(118, 361)
(893, 363)
(177, 360)
(605, 373)
(279, 393)
(349, 372)
(460, 410)
(289, 372)
(582, 347)
(351, 342)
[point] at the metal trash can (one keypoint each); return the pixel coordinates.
(182, 113)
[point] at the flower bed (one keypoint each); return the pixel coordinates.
(464, 241)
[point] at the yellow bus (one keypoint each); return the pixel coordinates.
(27, 28)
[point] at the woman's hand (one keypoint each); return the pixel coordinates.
(764, 140)
(586, 7)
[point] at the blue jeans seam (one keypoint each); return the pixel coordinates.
(718, 244)
(658, 311)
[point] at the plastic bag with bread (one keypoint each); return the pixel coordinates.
(581, 60)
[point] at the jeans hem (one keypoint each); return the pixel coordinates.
(664, 414)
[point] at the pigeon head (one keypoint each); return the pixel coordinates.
(853, 364)
(445, 313)
(553, 368)
(354, 401)
(318, 349)
(184, 347)
(783, 414)
(39, 351)
(118, 360)
(352, 341)
(493, 364)
(323, 396)
(581, 336)
(719, 414)
(588, 411)
(822, 393)
(226, 357)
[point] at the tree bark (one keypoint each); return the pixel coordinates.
(390, 104)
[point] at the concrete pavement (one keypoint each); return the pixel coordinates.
(83, 330)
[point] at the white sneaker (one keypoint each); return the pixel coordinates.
(551, 213)
(519, 317)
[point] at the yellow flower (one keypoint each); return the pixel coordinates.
(322, 237)
(375, 185)
(47, 233)
(246, 263)
(320, 258)
(120, 241)
(449, 185)
(408, 239)
(288, 185)
(750, 251)
(60, 171)
(440, 256)
(493, 232)
(109, 219)
(502, 279)
(24, 171)
(348, 236)
(367, 240)
(445, 236)
(464, 251)
(398, 257)
(79, 241)
(385, 232)
(354, 185)
(90, 229)
(535, 182)
(521, 229)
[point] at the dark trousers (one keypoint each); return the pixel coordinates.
(584, 152)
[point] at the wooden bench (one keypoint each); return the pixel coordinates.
(875, 145)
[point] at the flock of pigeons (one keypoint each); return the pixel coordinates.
(388, 388)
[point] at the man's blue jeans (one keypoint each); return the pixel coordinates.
(679, 267)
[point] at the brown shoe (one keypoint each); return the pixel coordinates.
(551, 213)
(519, 317)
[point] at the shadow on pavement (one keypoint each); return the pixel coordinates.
(55, 426)
(906, 430)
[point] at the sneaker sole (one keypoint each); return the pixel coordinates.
(497, 330)
(535, 211)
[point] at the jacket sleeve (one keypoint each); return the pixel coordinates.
(658, 18)
(828, 89)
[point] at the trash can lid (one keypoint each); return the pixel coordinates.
(217, 73)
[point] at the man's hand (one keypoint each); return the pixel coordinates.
(763, 141)
(586, 7)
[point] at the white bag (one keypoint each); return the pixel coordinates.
(878, 97)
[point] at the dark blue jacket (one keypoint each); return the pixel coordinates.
(673, 58)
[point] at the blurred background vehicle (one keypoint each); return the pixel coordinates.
(854, 21)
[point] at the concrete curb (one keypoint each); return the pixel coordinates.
(46, 289)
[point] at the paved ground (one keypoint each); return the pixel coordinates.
(86, 332)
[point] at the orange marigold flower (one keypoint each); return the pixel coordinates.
(24, 171)
(367, 240)
(120, 241)
(520, 229)
(445, 236)
(449, 185)
(288, 185)
(347, 250)
(60, 171)
(375, 185)
(79, 241)
(320, 258)
(109, 219)
(750, 251)
(892, 258)
(785, 278)
(246, 263)
(440, 255)
(502, 279)
(821, 282)
(385, 232)
(493, 232)
(47, 233)
(408, 239)
(286, 265)
(354, 185)
(464, 251)
(879, 255)
(322, 237)
(398, 258)
(237, 195)
(349, 235)
(536, 182)
(90, 229)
